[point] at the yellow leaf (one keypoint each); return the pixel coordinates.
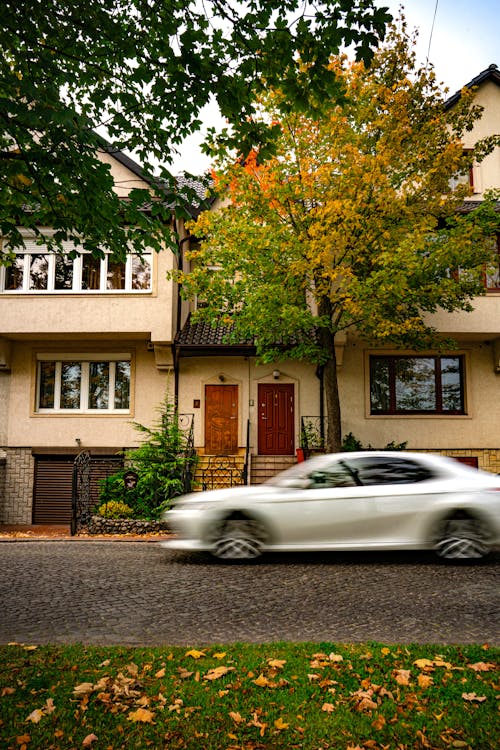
(425, 680)
(280, 724)
(402, 676)
(423, 663)
(219, 655)
(386, 651)
(277, 663)
(261, 681)
(195, 654)
(35, 716)
(142, 714)
(236, 716)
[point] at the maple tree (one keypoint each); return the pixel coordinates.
(353, 224)
(142, 70)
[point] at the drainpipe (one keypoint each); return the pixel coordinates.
(319, 374)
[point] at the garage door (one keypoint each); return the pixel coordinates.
(52, 490)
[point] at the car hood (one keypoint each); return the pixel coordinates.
(228, 493)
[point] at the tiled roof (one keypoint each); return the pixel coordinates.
(490, 74)
(203, 334)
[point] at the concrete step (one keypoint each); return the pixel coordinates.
(265, 467)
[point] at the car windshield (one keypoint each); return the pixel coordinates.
(300, 471)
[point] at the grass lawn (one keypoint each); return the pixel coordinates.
(250, 697)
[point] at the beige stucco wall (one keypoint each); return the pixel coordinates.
(482, 323)
(487, 174)
(26, 428)
(142, 315)
(4, 404)
(195, 373)
(479, 429)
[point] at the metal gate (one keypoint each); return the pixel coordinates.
(88, 471)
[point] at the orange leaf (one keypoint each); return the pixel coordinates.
(328, 707)
(378, 723)
(160, 673)
(23, 739)
(214, 674)
(89, 739)
(280, 724)
(481, 666)
(277, 663)
(236, 716)
(425, 680)
(402, 676)
(261, 681)
(142, 714)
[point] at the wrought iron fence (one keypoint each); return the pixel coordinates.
(313, 434)
(88, 471)
(186, 424)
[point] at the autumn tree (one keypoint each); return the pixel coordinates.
(353, 224)
(140, 71)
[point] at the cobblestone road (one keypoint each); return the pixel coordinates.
(141, 594)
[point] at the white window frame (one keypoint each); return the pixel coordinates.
(84, 360)
(77, 275)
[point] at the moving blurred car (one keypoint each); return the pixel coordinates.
(371, 500)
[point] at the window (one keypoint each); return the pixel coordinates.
(416, 385)
(86, 383)
(492, 276)
(387, 470)
(35, 272)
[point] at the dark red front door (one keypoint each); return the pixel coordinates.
(221, 419)
(276, 419)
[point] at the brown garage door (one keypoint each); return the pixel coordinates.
(52, 490)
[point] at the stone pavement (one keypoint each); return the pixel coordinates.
(60, 532)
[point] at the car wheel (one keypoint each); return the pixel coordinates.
(462, 539)
(239, 539)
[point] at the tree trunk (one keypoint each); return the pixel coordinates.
(332, 399)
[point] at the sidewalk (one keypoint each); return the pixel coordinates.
(61, 533)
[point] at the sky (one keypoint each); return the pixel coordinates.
(464, 40)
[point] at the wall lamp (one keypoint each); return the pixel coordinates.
(276, 374)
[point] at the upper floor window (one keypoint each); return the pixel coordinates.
(492, 276)
(34, 272)
(417, 385)
(83, 383)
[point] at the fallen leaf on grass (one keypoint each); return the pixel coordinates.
(141, 715)
(217, 672)
(280, 724)
(402, 676)
(378, 723)
(473, 697)
(89, 739)
(328, 708)
(425, 680)
(195, 654)
(23, 739)
(277, 663)
(236, 717)
(84, 689)
(482, 666)
(160, 673)
(36, 716)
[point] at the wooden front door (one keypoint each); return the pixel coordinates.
(221, 419)
(276, 419)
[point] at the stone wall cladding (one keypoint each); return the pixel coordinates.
(16, 505)
(488, 459)
(99, 525)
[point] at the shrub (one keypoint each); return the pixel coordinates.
(351, 443)
(115, 509)
(160, 464)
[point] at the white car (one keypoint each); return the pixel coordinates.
(371, 500)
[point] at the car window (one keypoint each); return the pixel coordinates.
(337, 475)
(378, 470)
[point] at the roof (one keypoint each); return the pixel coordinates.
(490, 74)
(202, 339)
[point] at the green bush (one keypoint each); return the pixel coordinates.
(160, 464)
(115, 509)
(351, 443)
